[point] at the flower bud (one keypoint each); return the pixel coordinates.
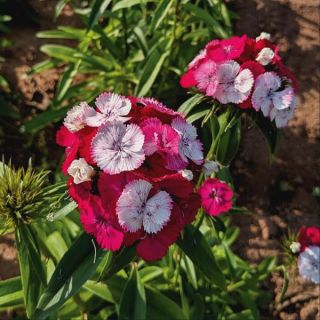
(80, 171)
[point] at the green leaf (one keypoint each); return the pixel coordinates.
(59, 7)
(61, 34)
(149, 273)
(192, 102)
(76, 266)
(11, 294)
(133, 299)
(266, 266)
(150, 71)
(268, 129)
(160, 13)
(198, 115)
(100, 289)
(31, 269)
(43, 119)
(64, 211)
(98, 8)
(43, 65)
(196, 247)
(119, 260)
(65, 82)
(228, 144)
(125, 4)
(59, 52)
(203, 15)
(161, 307)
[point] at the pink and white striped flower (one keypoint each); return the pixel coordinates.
(76, 117)
(135, 210)
(118, 147)
(112, 107)
(234, 85)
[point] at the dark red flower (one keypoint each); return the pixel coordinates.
(308, 236)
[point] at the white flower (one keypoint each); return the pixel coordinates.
(282, 116)
(309, 264)
(295, 247)
(75, 119)
(135, 210)
(187, 174)
(112, 107)
(278, 105)
(265, 56)
(118, 147)
(234, 85)
(263, 36)
(209, 167)
(189, 146)
(80, 171)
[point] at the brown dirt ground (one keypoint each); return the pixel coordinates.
(278, 192)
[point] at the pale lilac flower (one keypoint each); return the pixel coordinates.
(309, 264)
(209, 167)
(187, 174)
(112, 107)
(118, 147)
(263, 36)
(283, 115)
(80, 171)
(234, 85)
(207, 78)
(189, 146)
(75, 119)
(135, 210)
(265, 56)
(295, 247)
(273, 103)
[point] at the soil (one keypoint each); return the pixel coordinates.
(279, 190)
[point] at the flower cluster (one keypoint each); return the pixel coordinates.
(246, 72)
(129, 161)
(308, 246)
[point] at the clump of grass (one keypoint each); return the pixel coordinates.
(25, 196)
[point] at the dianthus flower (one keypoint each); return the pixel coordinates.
(309, 264)
(308, 236)
(216, 196)
(245, 72)
(130, 162)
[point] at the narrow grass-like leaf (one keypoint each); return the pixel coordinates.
(150, 71)
(133, 299)
(192, 102)
(196, 247)
(43, 119)
(63, 53)
(122, 4)
(203, 15)
(98, 8)
(11, 294)
(160, 13)
(76, 266)
(31, 268)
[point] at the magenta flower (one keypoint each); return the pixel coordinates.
(227, 49)
(216, 196)
(206, 77)
(159, 138)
